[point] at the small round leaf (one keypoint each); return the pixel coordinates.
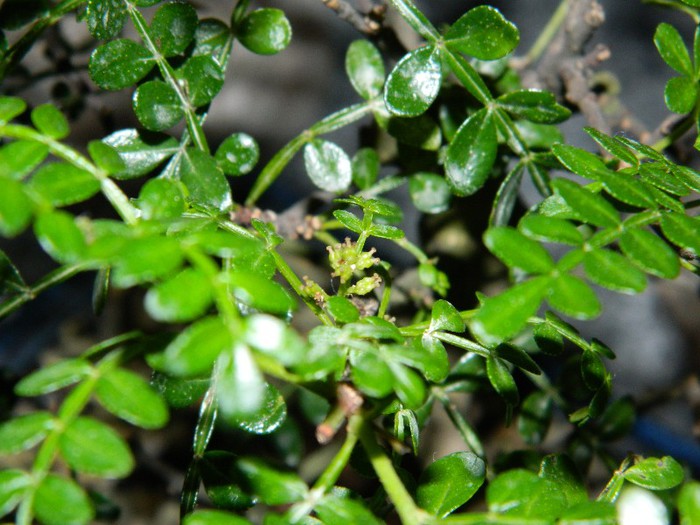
(365, 68)
(173, 27)
(59, 501)
(265, 31)
(681, 94)
(128, 396)
(62, 184)
(181, 298)
(157, 105)
(430, 193)
(119, 64)
(483, 33)
(203, 78)
(15, 208)
(49, 121)
(328, 166)
(161, 199)
(414, 83)
(24, 432)
(238, 154)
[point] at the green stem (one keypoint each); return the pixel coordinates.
(417, 20)
(612, 490)
(110, 190)
(548, 33)
(413, 249)
(487, 518)
(471, 439)
(468, 76)
(419, 328)
(406, 508)
(677, 132)
(193, 125)
(332, 122)
(461, 342)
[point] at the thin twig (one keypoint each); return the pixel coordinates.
(368, 24)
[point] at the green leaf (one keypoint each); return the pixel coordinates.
(274, 337)
(268, 418)
(59, 236)
(13, 484)
(15, 208)
(20, 157)
(146, 259)
(49, 121)
(11, 280)
(682, 230)
(260, 293)
(92, 447)
(628, 190)
(173, 28)
(444, 316)
(53, 377)
(580, 161)
(523, 494)
(10, 107)
(612, 146)
(272, 487)
(119, 64)
(141, 152)
(517, 357)
(593, 370)
(534, 105)
(342, 309)
(105, 157)
(548, 339)
(517, 251)
(349, 220)
(642, 149)
(365, 68)
(157, 105)
(385, 231)
(195, 349)
(430, 193)
(161, 199)
(561, 469)
(672, 49)
(61, 501)
(336, 510)
(105, 18)
(265, 31)
(689, 503)
(591, 207)
(211, 39)
(184, 297)
(688, 176)
(408, 385)
(483, 33)
(572, 296)
(472, 153)
(328, 166)
(535, 417)
(611, 270)
(681, 94)
(450, 482)
(432, 358)
(590, 513)
(550, 229)
(177, 392)
(650, 253)
(237, 154)
(62, 184)
(420, 132)
(213, 517)
(241, 387)
(371, 374)
(365, 168)
(660, 175)
(503, 316)
(656, 473)
(24, 432)
(129, 397)
(203, 79)
(205, 181)
(414, 83)
(502, 381)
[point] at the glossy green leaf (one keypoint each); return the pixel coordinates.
(146, 259)
(681, 94)
(517, 357)
(642, 149)
(561, 469)
(612, 146)
(12, 486)
(62, 184)
(173, 27)
(268, 418)
(534, 105)
(688, 176)
(572, 296)
(178, 392)
(211, 38)
(430, 193)
(328, 166)
(650, 253)
(580, 161)
(385, 231)
(472, 153)
(20, 157)
(593, 370)
(689, 503)
(157, 105)
(337, 510)
(483, 32)
(365, 168)
(92, 447)
(105, 18)
(550, 229)
(237, 154)
(449, 482)
(161, 199)
(502, 381)
(49, 121)
(518, 251)
(408, 385)
(272, 336)
(591, 207)
(548, 339)
(195, 349)
(141, 152)
(663, 177)
(503, 316)
(521, 493)
(682, 230)
(365, 68)
(535, 417)
(611, 270)
(414, 83)
(240, 384)
(203, 79)
(24, 432)
(420, 132)
(15, 208)
(371, 374)
(260, 293)
(213, 517)
(223, 482)
(105, 157)
(445, 316)
(59, 236)
(656, 473)
(61, 501)
(628, 190)
(204, 179)
(342, 309)
(184, 297)
(129, 397)
(672, 49)
(53, 377)
(272, 487)
(10, 107)
(265, 31)
(119, 64)
(435, 364)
